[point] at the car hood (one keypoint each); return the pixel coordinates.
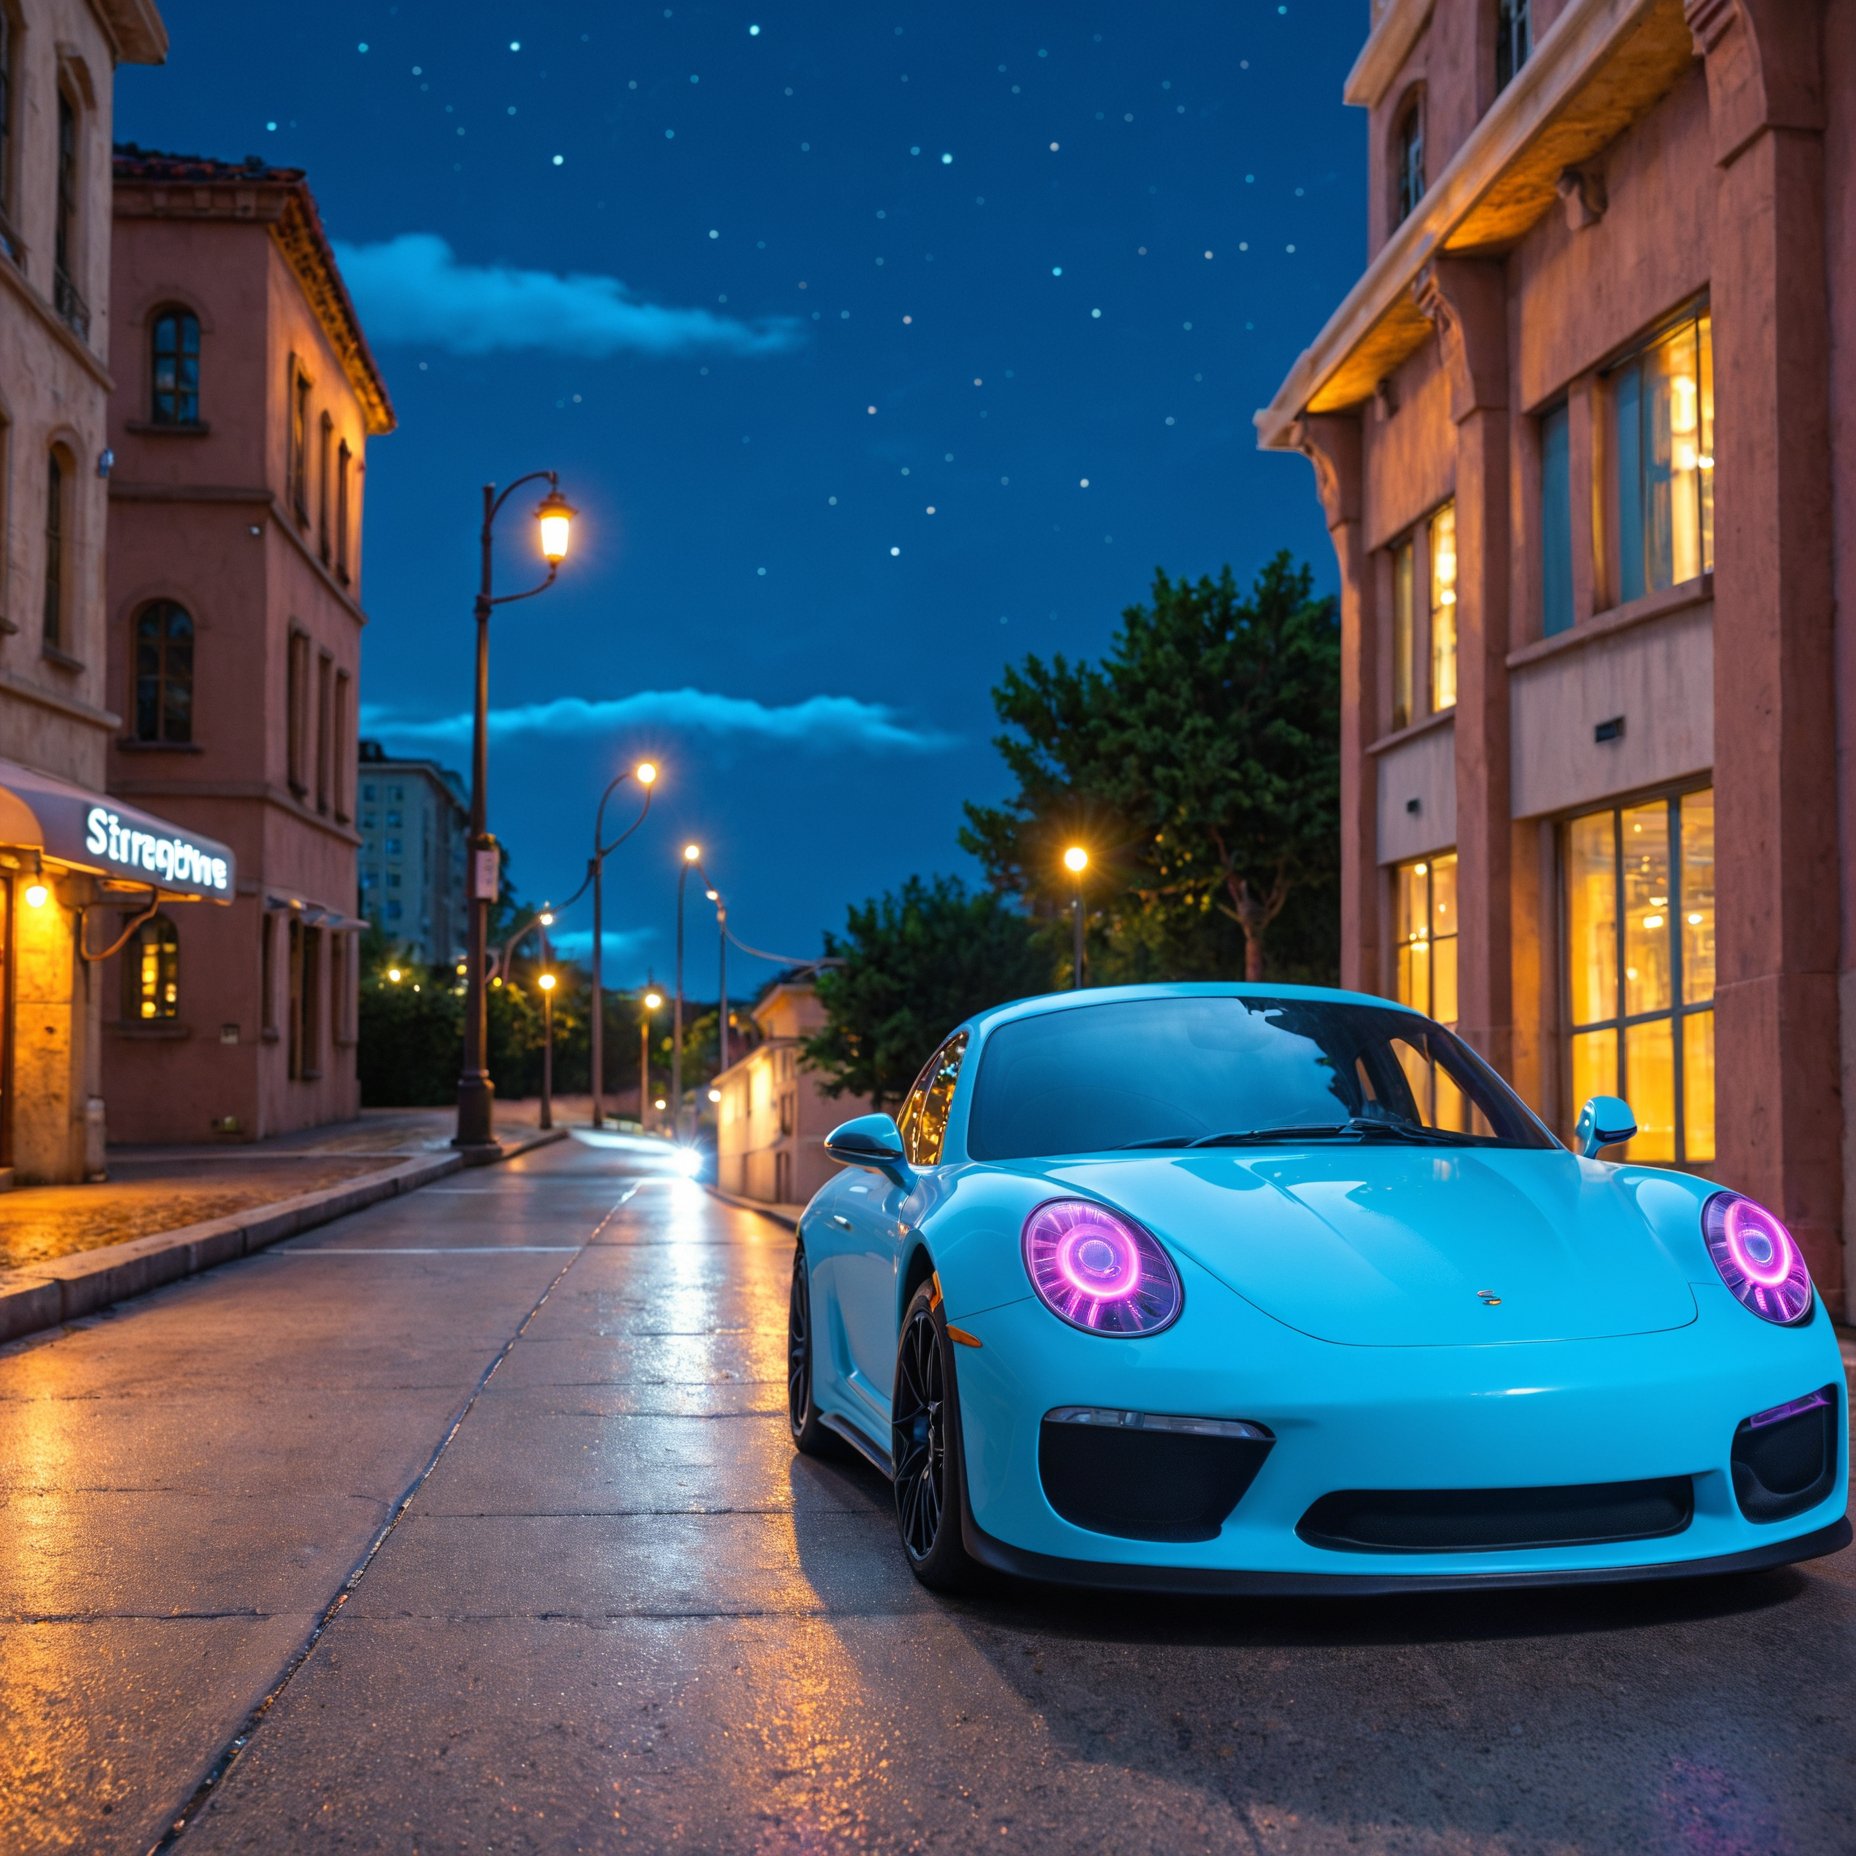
(1401, 1246)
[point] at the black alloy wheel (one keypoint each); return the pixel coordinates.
(810, 1437)
(930, 1479)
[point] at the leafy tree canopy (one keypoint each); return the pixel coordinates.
(1198, 763)
(915, 964)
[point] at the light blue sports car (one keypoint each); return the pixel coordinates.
(1221, 1288)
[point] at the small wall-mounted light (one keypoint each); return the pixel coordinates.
(37, 895)
(1612, 730)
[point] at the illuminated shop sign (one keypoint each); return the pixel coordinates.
(167, 856)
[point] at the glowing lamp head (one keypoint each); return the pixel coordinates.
(689, 1161)
(659, 1103)
(394, 974)
(555, 515)
(37, 895)
(645, 773)
(546, 918)
(1076, 860)
(463, 968)
(546, 982)
(691, 852)
(1099, 1271)
(715, 1095)
(1758, 1259)
(652, 1001)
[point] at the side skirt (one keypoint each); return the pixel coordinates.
(864, 1446)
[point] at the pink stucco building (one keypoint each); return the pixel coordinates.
(1573, 430)
(244, 398)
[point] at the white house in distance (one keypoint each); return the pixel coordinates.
(771, 1122)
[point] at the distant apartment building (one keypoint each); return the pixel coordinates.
(1574, 433)
(71, 857)
(245, 395)
(415, 837)
(771, 1122)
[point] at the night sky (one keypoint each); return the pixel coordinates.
(878, 345)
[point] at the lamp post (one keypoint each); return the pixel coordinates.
(1076, 861)
(692, 854)
(721, 979)
(546, 983)
(653, 1001)
(645, 773)
(476, 1093)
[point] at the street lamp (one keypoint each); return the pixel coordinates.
(554, 520)
(645, 773)
(546, 983)
(1076, 861)
(653, 1002)
(692, 855)
(721, 985)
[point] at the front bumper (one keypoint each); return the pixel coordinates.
(1535, 1415)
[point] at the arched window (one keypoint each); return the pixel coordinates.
(151, 972)
(174, 346)
(1408, 159)
(164, 673)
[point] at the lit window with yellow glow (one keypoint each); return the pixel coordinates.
(1662, 427)
(1639, 910)
(1443, 608)
(1425, 924)
(152, 971)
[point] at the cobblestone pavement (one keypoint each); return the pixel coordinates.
(153, 1189)
(470, 1522)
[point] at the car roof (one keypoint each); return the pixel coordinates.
(1041, 1004)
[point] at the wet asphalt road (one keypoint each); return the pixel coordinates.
(616, 1612)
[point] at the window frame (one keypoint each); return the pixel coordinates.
(139, 1005)
(344, 462)
(1408, 186)
(1556, 416)
(296, 712)
(68, 212)
(1621, 1021)
(1412, 613)
(296, 414)
(60, 497)
(165, 677)
(919, 1150)
(184, 413)
(11, 32)
(1514, 40)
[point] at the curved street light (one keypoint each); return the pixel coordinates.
(692, 855)
(476, 1092)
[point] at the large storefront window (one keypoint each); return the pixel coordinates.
(1639, 883)
(1425, 921)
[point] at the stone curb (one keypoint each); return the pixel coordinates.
(773, 1213)
(44, 1295)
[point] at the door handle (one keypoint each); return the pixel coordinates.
(842, 1222)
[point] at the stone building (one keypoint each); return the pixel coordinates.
(1596, 526)
(68, 853)
(771, 1122)
(245, 397)
(415, 839)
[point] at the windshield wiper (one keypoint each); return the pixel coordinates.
(1355, 1128)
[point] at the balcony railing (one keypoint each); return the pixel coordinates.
(68, 301)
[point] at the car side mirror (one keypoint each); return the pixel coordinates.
(1603, 1122)
(872, 1141)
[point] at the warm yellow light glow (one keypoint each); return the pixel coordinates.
(1652, 921)
(393, 973)
(715, 1095)
(1076, 859)
(546, 918)
(497, 981)
(712, 895)
(1420, 869)
(653, 1000)
(691, 852)
(463, 968)
(645, 772)
(37, 895)
(556, 515)
(546, 982)
(659, 1103)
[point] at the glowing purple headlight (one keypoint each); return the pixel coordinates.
(1759, 1260)
(1098, 1270)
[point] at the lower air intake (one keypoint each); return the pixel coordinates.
(1785, 1460)
(1497, 1520)
(1147, 1478)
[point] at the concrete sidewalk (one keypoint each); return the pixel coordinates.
(167, 1212)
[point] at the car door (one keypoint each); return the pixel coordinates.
(874, 1223)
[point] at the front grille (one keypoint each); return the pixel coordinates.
(1497, 1520)
(1145, 1483)
(1785, 1461)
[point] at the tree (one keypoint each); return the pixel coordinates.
(915, 964)
(1200, 764)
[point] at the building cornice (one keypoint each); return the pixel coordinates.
(1394, 32)
(136, 31)
(1600, 67)
(281, 201)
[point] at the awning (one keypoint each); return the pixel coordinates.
(314, 914)
(91, 831)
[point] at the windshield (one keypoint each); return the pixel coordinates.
(1224, 1071)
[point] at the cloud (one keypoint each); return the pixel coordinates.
(413, 290)
(823, 722)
